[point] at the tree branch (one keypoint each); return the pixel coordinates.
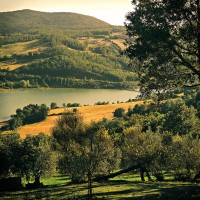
(186, 63)
(106, 177)
(191, 86)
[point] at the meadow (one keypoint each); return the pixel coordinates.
(124, 187)
(21, 48)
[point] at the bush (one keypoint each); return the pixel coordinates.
(119, 112)
(73, 105)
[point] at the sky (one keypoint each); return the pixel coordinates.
(111, 11)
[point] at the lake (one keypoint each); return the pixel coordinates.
(11, 100)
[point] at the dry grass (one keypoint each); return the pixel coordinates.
(119, 42)
(20, 48)
(11, 66)
(23, 47)
(90, 113)
(95, 42)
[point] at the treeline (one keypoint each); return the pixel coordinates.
(31, 113)
(14, 38)
(31, 81)
(68, 68)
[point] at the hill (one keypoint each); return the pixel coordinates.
(41, 19)
(61, 50)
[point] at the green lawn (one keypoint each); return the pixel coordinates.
(124, 187)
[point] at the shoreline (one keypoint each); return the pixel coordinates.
(43, 88)
(4, 123)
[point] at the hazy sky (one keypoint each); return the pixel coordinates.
(111, 11)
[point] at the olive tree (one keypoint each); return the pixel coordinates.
(10, 154)
(84, 148)
(38, 158)
(143, 149)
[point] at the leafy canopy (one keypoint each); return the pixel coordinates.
(164, 43)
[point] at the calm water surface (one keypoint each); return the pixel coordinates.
(11, 100)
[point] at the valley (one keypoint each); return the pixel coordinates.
(72, 55)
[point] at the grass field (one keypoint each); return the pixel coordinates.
(89, 113)
(120, 43)
(124, 187)
(20, 48)
(23, 47)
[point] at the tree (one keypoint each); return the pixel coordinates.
(53, 105)
(38, 159)
(29, 114)
(10, 154)
(84, 148)
(164, 43)
(142, 149)
(119, 112)
(180, 119)
(184, 156)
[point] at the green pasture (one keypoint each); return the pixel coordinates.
(125, 187)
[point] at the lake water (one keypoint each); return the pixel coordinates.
(11, 100)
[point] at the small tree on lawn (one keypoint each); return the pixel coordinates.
(38, 158)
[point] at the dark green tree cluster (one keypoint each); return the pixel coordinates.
(173, 116)
(14, 38)
(31, 113)
(31, 158)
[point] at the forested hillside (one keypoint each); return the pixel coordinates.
(30, 18)
(62, 50)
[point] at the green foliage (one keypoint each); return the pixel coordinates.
(73, 104)
(193, 99)
(180, 119)
(163, 44)
(142, 148)
(119, 112)
(102, 103)
(83, 147)
(10, 154)
(25, 19)
(172, 115)
(183, 156)
(38, 157)
(53, 105)
(29, 114)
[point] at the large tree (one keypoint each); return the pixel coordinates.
(85, 149)
(38, 158)
(10, 154)
(164, 43)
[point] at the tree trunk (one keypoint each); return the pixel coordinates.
(106, 177)
(142, 171)
(197, 176)
(142, 174)
(37, 181)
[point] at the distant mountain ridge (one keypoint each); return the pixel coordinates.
(62, 19)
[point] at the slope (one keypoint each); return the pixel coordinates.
(41, 19)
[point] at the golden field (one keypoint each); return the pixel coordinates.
(89, 113)
(20, 48)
